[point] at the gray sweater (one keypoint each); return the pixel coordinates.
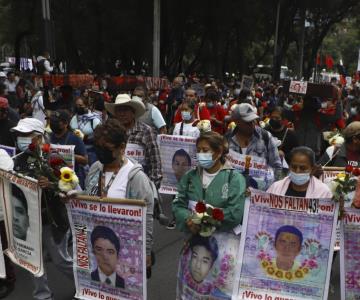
(138, 187)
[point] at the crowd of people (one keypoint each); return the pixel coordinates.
(295, 134)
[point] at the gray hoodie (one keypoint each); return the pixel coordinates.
(138, 187)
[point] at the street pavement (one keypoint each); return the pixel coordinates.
(161, 286)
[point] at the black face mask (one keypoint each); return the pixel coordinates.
(276, 124)
(104, 155)
(80, 110)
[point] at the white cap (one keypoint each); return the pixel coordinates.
(29, 125)
(2, 74)
(245, 112)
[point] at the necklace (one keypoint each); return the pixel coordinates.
(106, 188)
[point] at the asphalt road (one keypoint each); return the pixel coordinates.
(162, 285)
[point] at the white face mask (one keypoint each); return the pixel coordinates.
(23, 142)
(353, 111)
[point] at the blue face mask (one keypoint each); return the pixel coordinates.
(23, 142)
(205, 160)
(299, 178)
(186, 115)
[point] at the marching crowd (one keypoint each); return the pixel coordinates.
(296, 135)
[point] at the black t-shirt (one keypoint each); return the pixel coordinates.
(292, 193)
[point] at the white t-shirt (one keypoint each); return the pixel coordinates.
(188, 130)
(157, 118)
(118, 187)
(207, 178)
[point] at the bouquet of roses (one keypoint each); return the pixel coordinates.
(207, 217)
(52, 165)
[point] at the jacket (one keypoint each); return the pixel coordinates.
(226, 191)
(138, 187)
(316, 188)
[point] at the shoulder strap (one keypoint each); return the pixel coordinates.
(285, 135)
(266, 138)
(182, 128)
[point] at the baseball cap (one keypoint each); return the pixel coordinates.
(60, 115)
(4, 103)
(29, 125)
(352, 129)
(245, 112)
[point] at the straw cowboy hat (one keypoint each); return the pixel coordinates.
(125, 100)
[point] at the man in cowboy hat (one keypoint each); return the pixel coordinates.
(141, 136)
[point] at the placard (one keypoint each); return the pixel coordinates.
(298, 87)
(178, 155)
(286, 248)
(109, 248)
(136, 152)
(350, 255)
(21, 203)
(67, 152)
(10, 150)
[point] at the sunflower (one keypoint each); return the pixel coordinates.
(288, 275)
(264, 263)
(305, 270)
(270, 270)
(66, 174)
(279, 274)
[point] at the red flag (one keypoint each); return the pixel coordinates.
(329, 62)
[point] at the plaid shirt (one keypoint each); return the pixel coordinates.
(257, 147)
(142, 134)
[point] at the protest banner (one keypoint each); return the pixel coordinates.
(67, 152)
(207, 267)
(136, 152)
(286, 248)
(260, 174)
(350, 255)
(109, 247)
(178, 155)
(247, 82)
(10, 150)
(21, 203)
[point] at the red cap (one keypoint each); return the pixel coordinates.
(4, 103)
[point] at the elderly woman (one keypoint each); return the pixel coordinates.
(301, 182)
(116, 176)
(214, 181)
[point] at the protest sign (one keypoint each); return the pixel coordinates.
(260, 174)
(67, 152)
(298, 87)
(10, 150)
(207, 267)
(136, 152)
(247, 82)
(178, 155)
(21, 203)
(286, 248)
(109, 247)
(350, 255)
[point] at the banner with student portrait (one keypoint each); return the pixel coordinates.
(109, 248)
(67, 152)
(21, 201)
(207, 267)
(286, 248)
(350, 255)
(261, 176)
(178, 155)
(136, 152)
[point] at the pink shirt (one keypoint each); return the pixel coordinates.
(316, 188)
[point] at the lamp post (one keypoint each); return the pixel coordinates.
(47, 26)
(275, 59)
(156, 39)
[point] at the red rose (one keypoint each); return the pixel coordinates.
(46, 148)
(349, 169)
(55, 161)
(356, 171)
(32, 147)
(218, 214)
(200, 207)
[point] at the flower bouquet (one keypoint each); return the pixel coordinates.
(52, 165)
(207, 217)
(344, 185)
